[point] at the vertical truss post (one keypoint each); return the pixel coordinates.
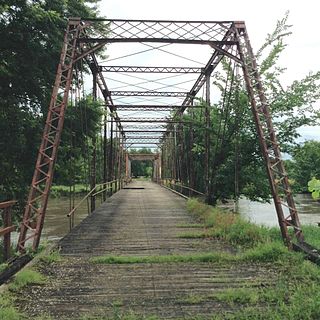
(110, 162)
(159, 168)
(174, 154)
(7, 223)
(276, 172)
(34, 213)
(207, 140)
(105, 173)
(93, 171)
(127, 166)
(191, 162)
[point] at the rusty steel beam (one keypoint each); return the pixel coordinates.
(141, 69)
(154, 40)
(34, 214)
(101, 82)
(148, 107)
(143, 138)
(208, 69)
(176, 94)
(145, 126)
(145, 131)
(277, 175)
(163, 30)
(151, 120)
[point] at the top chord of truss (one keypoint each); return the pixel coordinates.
(162, 31)
(140, 69)
(174, 94)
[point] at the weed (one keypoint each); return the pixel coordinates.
(198, 257)
(312, 235)
(7, 310)
(227, 226)
(26, 277)
(193, 299)
(53, 256)
(9, 313)
(190, 225)
(3, 266)
(193, 235)
(238, 295)
(117, 303)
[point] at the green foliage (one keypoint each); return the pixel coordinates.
(235, 153)
(227, 226)
(305, 165)
(198, 257)
(61, 190)
(31, 34)
(10, 313)
(314, 187)
(50, 258)
(141, 168)
(312, 235)
(25, 278)
(82, 123)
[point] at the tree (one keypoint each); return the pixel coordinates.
(141, 168)
(235, 155)
(305, 164)
(82, 124)
(314, 187)
(31, 34)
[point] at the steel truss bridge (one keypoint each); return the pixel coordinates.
(221, 39)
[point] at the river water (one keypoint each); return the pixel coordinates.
(265, 213)
(57, 224)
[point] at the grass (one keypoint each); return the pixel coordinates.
(26, 277)
(270, 252)
(52, 257)
(7, 309)
(190, 225)
(3, 266)
(237, 231)
(118, 315)
(227, 226)
(199, 257)
(293, 294)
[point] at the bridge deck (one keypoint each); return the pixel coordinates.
(136, 222)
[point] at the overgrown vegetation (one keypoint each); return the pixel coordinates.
(294, 293)
(52, 257)
(236, 230)
(26, 277)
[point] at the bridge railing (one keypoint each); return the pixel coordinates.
(8, 227)
(178, 187)
(111, 186)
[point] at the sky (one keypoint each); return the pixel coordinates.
(303, 46)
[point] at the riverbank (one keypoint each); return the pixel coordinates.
(296, 293)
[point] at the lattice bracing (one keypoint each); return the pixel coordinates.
(34, 214)
(178, 31)
(278, 178)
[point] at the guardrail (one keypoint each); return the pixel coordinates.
(7, 228)
(176, 185)
(114, 186)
